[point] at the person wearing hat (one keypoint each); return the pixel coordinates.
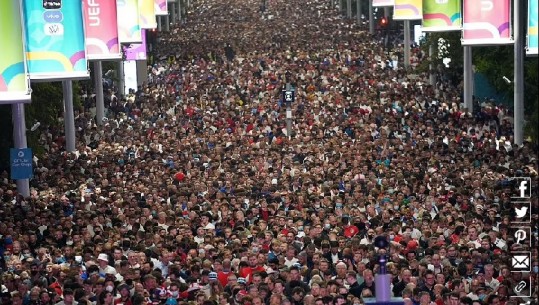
(125, 295)
(104, 267)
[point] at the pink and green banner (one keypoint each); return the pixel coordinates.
(147, 14)
(55, 43)
(100, 18)
(136, 51)
(441, 16)
(486, 22)
(531, 48)
(161, 7)
(378, 3)
(408, 10)
(14, 82)
(128, 21)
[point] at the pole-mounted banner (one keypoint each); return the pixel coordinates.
(55, 43)
(14, 82)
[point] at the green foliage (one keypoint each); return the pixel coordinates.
(494, 62)
(46, 107)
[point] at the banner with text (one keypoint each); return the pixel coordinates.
(408, 10)
(14, 82)
(128, 21)
(378, 3)
(531, 46)
(147, 14)
(136, 51)
(441, 16)
(100, 18)
(486, 22)
(161, 7)
(55, 44)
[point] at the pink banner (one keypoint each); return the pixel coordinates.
(101, 29)
(161, 8)
(377, 3)
(486, 22)
(136, 51)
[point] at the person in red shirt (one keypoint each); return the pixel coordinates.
(247, 272)
(222, 275)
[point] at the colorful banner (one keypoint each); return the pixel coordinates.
(486, 22)
(101, 29)
(161, 7)
(408, 10)
(146, 11)
(442, 16)
(54, 34)
(128, 21)
(378, 3)
(136, 51)
(14, 83)
(531, 46)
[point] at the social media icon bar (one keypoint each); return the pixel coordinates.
(521, 261)
(522, 212)
(522, 187)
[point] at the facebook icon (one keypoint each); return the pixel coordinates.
(522, 187)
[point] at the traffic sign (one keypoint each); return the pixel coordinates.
(21, 163)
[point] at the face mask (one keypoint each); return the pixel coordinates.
(476, 195)
(391, 236)
(174, 294)
(316, 206)
(327, 226)
(338, 206)
(109, 288)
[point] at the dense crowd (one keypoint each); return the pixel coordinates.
(193, 192)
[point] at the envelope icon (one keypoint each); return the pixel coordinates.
(521, 262)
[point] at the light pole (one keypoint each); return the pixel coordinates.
(289, 96)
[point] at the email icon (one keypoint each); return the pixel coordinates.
(521, 262)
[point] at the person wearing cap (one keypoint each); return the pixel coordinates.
(124, 295)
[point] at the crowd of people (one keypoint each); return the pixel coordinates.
(195, 192)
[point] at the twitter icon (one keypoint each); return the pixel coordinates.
(522, 212)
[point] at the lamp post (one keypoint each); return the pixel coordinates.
(289, 96)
